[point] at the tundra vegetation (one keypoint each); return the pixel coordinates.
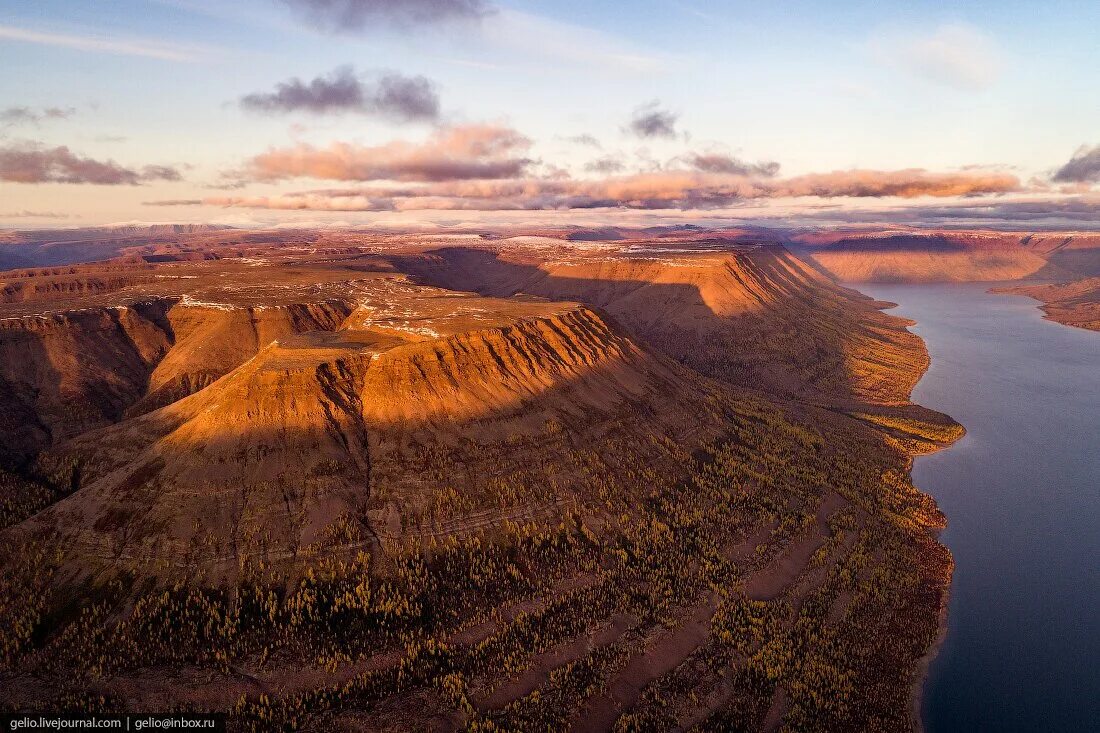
(443, 624)
(303, 486)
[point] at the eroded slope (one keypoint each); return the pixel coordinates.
(318, 438)
(339, 498)
(752, 315)
(951, 256)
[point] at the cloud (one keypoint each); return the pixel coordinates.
(1083, 167)
(908, 183)
(160, 173)
(954, 54)
(175, 202)
(33, 163)
(347, 16)
(27, 214)
(454, 153)
(405, 97)
(651, 121)
(606, 164)
(690, 190)
(1017, 214)
(305, 202)
(392, 95)
(722, 163)
(133, 47)
(584, 139)
(682, 190)
(536, 38)
(28, 116)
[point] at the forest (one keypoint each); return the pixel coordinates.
(530, 625)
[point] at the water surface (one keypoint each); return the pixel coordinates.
(1022, 497)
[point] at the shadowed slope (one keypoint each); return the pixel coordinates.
(433, 509)
(291, 452)
(65, 373)
(953, 256)
(755, 316)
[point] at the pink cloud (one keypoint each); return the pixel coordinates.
(455, 153)
(908, 183)
(30, 162)
(682, 190)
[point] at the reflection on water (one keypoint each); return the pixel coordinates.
(1022, 496)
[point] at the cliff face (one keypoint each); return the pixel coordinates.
(63, 374)
(306, 446)
(38, 289)
(68, 372)
(954, 256)
(1067, 254)
(471, 375)
(209, 341)
(924, 266)
(743, 316)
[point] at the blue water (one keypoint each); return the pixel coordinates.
(1022, 497)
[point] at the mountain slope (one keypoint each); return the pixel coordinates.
(1074, 304)
(755, 316)
(65, 373)
(418, 508)
(951, 256)
(210, 340)
(309, 441)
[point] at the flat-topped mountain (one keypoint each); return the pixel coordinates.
(951, 256)
(332, 479)
(309, 441)
(46, 247)
(739, 312)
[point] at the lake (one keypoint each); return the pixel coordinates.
(1022, 497)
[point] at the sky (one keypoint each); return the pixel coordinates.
(477, 112)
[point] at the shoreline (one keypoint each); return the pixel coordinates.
(922, 671)
(1063, 316)
(924, 662)
(1009, 370)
